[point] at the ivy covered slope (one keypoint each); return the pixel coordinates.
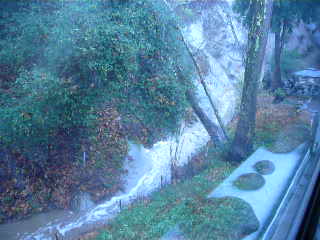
(82, 76)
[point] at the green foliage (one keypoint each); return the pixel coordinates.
(249, 182)
(22, 39)
(42, 107)
(266, 137)
(64, 61)
(174, 204)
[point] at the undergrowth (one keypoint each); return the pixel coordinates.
(271, 119)
(173, 204)
(186, 204)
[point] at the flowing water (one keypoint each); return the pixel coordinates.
(147, 168)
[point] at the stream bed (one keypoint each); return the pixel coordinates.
(148, 169)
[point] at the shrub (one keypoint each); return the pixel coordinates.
(66, 61)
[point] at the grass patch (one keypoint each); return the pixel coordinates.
(174, 204)
(185, 204)
(291, 137)
(273, 119)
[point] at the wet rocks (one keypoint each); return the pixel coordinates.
(249, 182)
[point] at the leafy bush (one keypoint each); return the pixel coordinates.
(74, 75)
(65, 61)
(42, 109)
(174, 205)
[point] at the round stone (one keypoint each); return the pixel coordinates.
(264, 167)
(249, 182)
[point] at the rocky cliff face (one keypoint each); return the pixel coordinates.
(217, 40)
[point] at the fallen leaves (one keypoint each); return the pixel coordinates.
(53, 185)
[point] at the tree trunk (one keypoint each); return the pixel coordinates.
(205, 87)
(211, 128)
(242, 144)
(203, 83)
(277, 81)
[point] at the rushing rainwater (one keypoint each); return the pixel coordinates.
(147, 168)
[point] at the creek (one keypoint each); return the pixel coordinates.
(147, 169)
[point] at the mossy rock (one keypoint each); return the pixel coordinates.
(249, 182)
(264, 167)
(290, 138)
(226, 218)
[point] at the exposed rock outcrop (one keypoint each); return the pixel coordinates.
(216, 39)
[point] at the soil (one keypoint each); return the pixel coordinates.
(290, 138)
(284, 126)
